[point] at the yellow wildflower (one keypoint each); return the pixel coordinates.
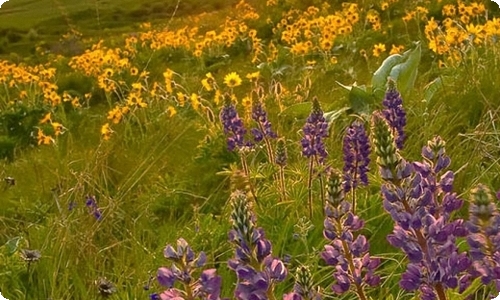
(232, 80)
(181, 99)
(43, 139)
(46, 118)
(171, 111)
(134, 71)
(58, 128)
(396, 49)
(208, 82)
(195, 102)
(106, 131)
(253, 76)
(378, 49)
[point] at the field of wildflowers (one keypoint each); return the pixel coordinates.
(267, 149)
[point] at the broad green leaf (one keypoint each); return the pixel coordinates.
(405, 73)
(379, 78)
(299, 110)
(360, 100)
(12, 245)
(431, 88)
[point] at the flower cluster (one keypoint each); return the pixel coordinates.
(421, 204)
(315, 131)
(256, 269)
(263, 130)
(354, 268)
(356, 150)
(394, 113)
(233, 126)
(484, 236)
(184, 265)
(91, 203)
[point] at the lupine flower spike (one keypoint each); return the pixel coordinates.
(356, 150)
(347, 252)
(394, 113)
(421, 203)
(484, 237)
(303, 288)
(281, 160)
(233, 126)
(184, 265)
(313, 146)
(263, 131)
(392, 166)
(257, 271)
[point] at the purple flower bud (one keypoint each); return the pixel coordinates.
(170, 253)
(277, 270)
(411, 278)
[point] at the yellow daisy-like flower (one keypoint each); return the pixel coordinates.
(208, 82)
(378, 49)
(253, 76)
(195, 102)
(106, 131)
(134, 71)
(232, 80)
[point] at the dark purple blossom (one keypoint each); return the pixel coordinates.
(233, 126)
(394, 113)
(356, 150)
(315, 131)
(263, 130)
(91, 203)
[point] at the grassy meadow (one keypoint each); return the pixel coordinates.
(128, 125)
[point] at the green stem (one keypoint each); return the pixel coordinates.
(309, 186)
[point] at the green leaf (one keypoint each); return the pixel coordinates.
(405, 73)
(12, 245)
(431, 88)
(360, 100)
(299, 110)
(334, 114)
(379, 78)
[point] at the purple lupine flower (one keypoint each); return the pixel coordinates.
(484, 237)
(356, 149)
(264, 130)
(394, 112)
(354, 268)
(315, 131)
(255, 267)
(184, 264)
(421, 206)
(233, 126)
(91, 203)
